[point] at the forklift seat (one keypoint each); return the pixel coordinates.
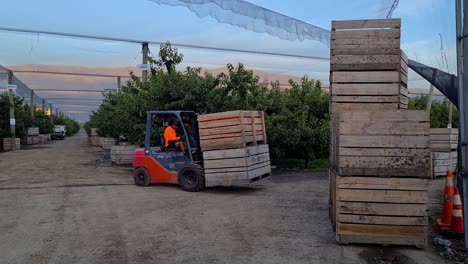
(163, 144)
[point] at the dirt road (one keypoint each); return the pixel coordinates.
(57, 206)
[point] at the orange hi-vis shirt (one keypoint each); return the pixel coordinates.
(170, 135)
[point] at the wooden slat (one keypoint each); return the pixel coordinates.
(227, 122)
(365, 89)
(366, 77)
(226, 115)
(444, 155)
(440, 137)
(382, 196)
(384, 152)
(376, 183)
(443, 146)
(381, 209)
(235, 153)
(373, 23)
(381, 34)
(236, 162)
(397, 116)
(238, 169)
(385, 162)
(444, 131)
(343, 107)
(393, 60)
(384, 43)
(364, 99)
(383, 128)
(386, 172)
(382, 220)
(391, 49)
(384, 141)
(381, 230)
(227, 130)
(404, 57)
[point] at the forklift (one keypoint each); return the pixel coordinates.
(154, 163)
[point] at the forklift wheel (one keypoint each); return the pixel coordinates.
(141, 177)
(191, 178)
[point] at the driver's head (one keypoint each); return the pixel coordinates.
(175, 124)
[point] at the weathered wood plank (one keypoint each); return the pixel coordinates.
(381, 34)
(376, 183)
(384, 141)
(384, 152)
(413, 162)
(443, 146)
(395, 209)
(393, 60)
(441, 137)
(383, 220)
(386, 172)
(344, 107)
(365, 89)
(397, 116)
(444, 131)
(383, 128)
(384, 43)
(365, 99)
(226, 115)
(444, 155)
(237, 162)
(235, 153)
(373, 23)
(391, 49)
(238, 169)
(228, 122)
(227, 143)
(366, 77)
(382, 230)
(228, 129)
(382, 196)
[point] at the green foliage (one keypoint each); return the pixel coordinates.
(297, 118)
(439, 111)
(24, 120)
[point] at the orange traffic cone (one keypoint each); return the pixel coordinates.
(447, 208)
(457, 218)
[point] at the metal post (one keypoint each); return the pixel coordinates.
(51, 110)
(145, 50)
(461, 50)
(32, 104)
(43, 105)
(119, 83)
(12, 112)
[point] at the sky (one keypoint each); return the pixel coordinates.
(423, 22)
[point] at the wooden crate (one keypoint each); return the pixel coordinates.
(107, 142)
(122, 154)
(384, 143)
(444, 139)
(368, 69)
(229, 130)
(236, 166)
(31, 140)
(33, 131)
(6, 144)
(382, 210)
(442, 161)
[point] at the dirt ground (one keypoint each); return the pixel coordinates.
(58, 206)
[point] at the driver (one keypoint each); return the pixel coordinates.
(171, 138)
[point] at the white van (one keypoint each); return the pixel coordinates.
(60, 131)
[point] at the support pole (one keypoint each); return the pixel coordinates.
(429, 99)
(462, 48)
(119, 83)
(12, 112)
(51, 110)
(43, 105)
(145, 51)
(32, 104)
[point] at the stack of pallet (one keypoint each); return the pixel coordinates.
(107, 142)
(444, 143)
(235, 150)
(6, 144)
(94, 138)
(380, 156)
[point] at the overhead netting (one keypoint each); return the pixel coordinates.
(252, 17)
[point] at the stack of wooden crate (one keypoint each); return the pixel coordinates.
(368, 69)
(122, 154)
(107, 142)
(235, 150)
(6, 144)
(444, 143)
(94, 138)
(33, 136)
(380, 156)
